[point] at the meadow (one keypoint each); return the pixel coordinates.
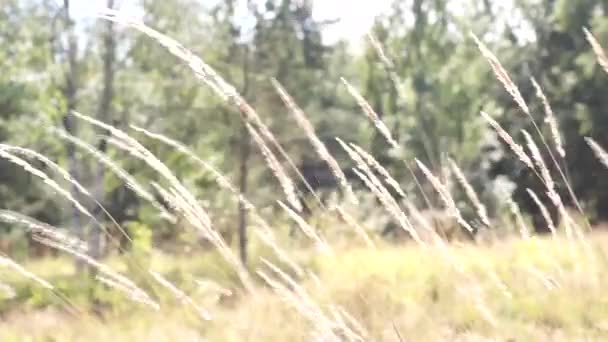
(324, 276)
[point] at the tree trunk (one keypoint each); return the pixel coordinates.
(243, 177)
(69, 122)
(104, 114)
(245, 152)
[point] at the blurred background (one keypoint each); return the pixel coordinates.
(429, 88)
(414, 61)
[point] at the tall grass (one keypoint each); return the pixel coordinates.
(327, 319)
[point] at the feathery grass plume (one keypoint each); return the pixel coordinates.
(506, 137)
(123, 146)
(318, 145)
(286, 184)
(5, 261)
(445, 196)
(51, 164)
(542, 167)
(67, 177)
(398, 84)
(209, 76)
(380, 169)
(107, 271)
(264, 233)
(602, 58)
(380, 51)
(353, 322)
(47, 180)
(373, 183)
(220, 179)
(181, 295)
(501, 74)
(389, 204)
(470, 192)
(543, 211)
(194, 213)
(509, 85)
(308, 230)
(129, 180)
(344, 215)
(570, 224)
(599, 152)
(43, 229)
(341, 321)
(523, 229)
(550, 119)
(371, 114)
(121, 173)
(127, 291)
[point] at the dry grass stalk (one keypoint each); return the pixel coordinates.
(110, 276)
(367, 175)
(542, 167)
(470, 192)
(380, 51)
(121, 173)
(445, 196)
(209, 76)
(109, 163)
(550, 119)
(46, 161)
(523, 229)
(380, 169)
(264, 232)
(67, 177)
(390, 205)
(295, 295)
(310, 311)
(599, 152)
(602, 58)
(187, 203)
(318, 145)
(398, 84)
(502, 75)
(47, 180)
(43, 230)
(286, 184)
(351, 221)
(132, 295)
(509, 85)
(506, 137)
(371, 114)
(423, 222)
(570, 224)
(181, 295)
(268, 237)
(307, 229)
(353, 322)
(543, 211)
(341, 319)
(5, 261)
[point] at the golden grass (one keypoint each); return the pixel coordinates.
(534, 292)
